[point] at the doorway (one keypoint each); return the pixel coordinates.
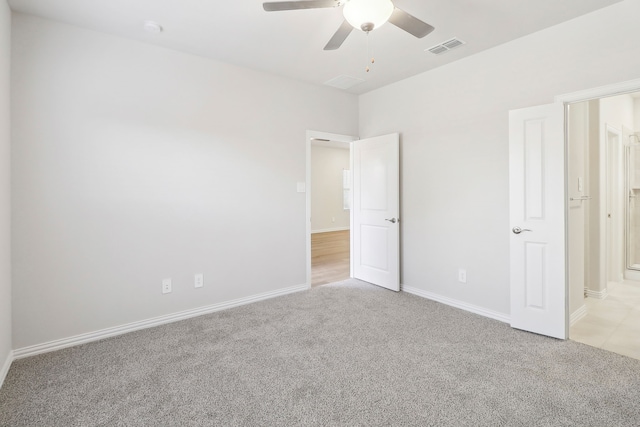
(330, 194)
(542, 189)
(328, 229)
(374, 214)
(604, 300)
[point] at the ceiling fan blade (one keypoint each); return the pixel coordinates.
(410, 23)
(302, 4)
(339, 37)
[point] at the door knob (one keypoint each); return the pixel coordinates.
(518, 230)
(392, 220)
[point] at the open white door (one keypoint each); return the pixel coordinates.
(376, 209)
(537, 212)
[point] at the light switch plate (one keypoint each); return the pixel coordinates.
(302, 187)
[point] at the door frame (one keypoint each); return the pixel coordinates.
(614, 89)
(312, 134)
(610, 233)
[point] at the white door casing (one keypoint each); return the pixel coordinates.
(614, 206)
(537, 207)
(376, 211)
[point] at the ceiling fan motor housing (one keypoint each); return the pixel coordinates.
(367, 26)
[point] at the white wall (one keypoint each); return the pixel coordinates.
(454, 140)
(636, 114)
(132, 163)
(617, 111)
(5, 191)
(327, 209)
(578, 139)
(595, 266)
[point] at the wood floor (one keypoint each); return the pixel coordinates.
(329, 257)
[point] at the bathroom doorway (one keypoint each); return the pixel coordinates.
(604, 286)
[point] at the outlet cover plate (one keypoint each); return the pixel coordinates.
(198, 280)
(462, 275)
(166, 286)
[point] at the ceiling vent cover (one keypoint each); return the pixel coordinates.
(445, 46)
(343, 82)
(438, 49)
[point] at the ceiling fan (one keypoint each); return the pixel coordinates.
(364, 15)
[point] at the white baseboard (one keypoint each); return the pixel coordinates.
(458, 304)
(632, 274)
(596, 294)
(577, 315)
(148, 323)
(4, 370)
(328, 230)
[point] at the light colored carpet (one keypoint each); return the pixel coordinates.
(344, 354)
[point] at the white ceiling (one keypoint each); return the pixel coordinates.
(291, 43)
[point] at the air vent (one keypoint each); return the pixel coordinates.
(450, 44)
(343, 82)
(438, 49)
(445, 46)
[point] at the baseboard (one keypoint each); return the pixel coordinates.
(577, 315)
(458, 304)
(596, 294)
(328, 230)
(148, 323)
(5, 367)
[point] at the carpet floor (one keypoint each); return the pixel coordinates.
(336, 355)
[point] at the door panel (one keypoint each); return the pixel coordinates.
(376, 209)
(536, 194)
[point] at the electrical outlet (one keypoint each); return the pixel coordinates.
(166, 286)
(462, 275)
(198, 280)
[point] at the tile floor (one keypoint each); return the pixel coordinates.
(612, 323)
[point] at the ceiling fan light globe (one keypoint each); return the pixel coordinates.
(365, 13)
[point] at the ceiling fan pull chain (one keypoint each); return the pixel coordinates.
(373, 60)
(368, 52)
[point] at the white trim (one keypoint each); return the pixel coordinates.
(631, 275)
(148, 323)
(457, 304)
(600, 92)
(596, 294)
(5, 367)
(329, 230)
(578, 315)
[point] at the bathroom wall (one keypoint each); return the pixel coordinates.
(616, 112)
(594, 267)
(634, 220)
(578, 209)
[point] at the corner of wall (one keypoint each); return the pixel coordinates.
(4, 368)
(6, 340)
